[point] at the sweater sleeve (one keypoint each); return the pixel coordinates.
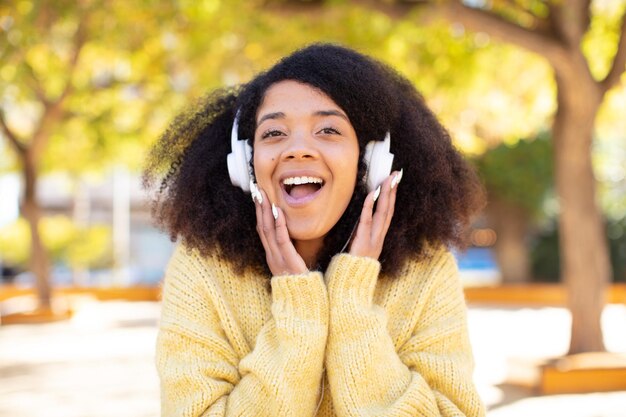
(201, 371)
(430, 374)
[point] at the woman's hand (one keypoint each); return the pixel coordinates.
(281, 255)
(372, 229)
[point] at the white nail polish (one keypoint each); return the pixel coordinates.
(274, 212)
(396, 180)
(377, 193)
(256, 194)
(253, 192)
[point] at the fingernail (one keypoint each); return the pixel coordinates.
(396, 180)
(253, 192)
(377, 193)
(256, 194)
(274, 212)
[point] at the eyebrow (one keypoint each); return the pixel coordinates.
(281, 115)
(276, 115)
(331, 113)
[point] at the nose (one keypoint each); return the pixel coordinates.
(300, 146)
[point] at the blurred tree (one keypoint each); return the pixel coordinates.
(562, 33)
(65, 242)
(517, 177)
(79, 88)
(89, 83)
(545, 252)
(585, 45)
(99, 79)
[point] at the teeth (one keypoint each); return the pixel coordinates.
(302, 180)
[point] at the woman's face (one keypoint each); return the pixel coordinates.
(306, 157)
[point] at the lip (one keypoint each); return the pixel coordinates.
(299, 202)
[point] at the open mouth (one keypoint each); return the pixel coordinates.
(300, 190)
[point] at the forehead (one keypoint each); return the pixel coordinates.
(290, 96)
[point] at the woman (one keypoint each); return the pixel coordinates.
(327, 289)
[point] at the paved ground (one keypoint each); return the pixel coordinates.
(100, 364)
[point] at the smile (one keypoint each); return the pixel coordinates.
(301, 190)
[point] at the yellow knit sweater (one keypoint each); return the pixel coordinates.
(346, 343)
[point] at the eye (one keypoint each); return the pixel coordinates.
(271, 133)
(329, 131)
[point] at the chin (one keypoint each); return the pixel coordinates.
(296, 233)
(304, 236)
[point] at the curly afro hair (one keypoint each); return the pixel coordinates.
(193, 197)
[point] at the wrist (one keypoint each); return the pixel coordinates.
(352, 278)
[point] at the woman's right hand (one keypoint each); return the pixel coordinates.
(280, 253)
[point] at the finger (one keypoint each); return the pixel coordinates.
(281, 232)
(392, 206)
(382, 209)
(259, 225)
(293, 261)
(365, 221)
(269, 226)
(390, 203)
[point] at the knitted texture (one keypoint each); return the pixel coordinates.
(228, 346)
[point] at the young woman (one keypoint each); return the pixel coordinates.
(314, 278)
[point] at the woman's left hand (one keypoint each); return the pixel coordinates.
(372, 228)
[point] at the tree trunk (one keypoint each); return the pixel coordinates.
(39, 262)
(585, 262)
(511, 250)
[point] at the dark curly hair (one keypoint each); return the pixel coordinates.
(193, 197)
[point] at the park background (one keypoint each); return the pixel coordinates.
(530, 91)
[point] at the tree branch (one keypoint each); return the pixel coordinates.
(393, 9)
(79, 40)
(570, 21)
(619, 61)
(35, 84)
(535, 40)
(585, 15)
(11, 137)
(53, 110)
(526, 14)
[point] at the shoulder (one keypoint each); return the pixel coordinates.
(436, 260)
(188, 268)
(432, 275)
(210, 275)
(191, 259)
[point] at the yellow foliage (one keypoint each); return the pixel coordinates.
(66, 242)
(15, 242)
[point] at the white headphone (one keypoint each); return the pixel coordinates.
(378, 160)
(238, 159)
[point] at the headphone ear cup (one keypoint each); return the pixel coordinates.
(238, 160)
(239, 165)
(379, 162)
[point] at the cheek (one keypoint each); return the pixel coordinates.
(259, 166)
(263, 166)
(347, 169)
(352, 164)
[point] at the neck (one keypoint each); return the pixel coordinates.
(308, 250)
